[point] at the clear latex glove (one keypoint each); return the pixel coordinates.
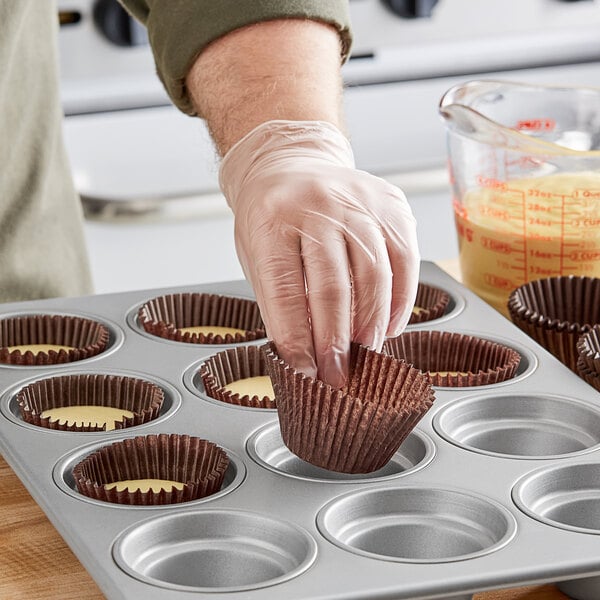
(330, 251)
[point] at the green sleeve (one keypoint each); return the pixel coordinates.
(180, 29)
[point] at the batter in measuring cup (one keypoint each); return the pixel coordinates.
(511, 232)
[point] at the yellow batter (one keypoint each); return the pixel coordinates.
(521, 230)
(212, 329)
(417, 310)
(252, 386)
(87, 415)
(37, 348)
(444, 373)
(144, 485)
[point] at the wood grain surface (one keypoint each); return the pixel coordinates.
(36, 564)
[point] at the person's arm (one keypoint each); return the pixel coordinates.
(283, 69)
(330, 251)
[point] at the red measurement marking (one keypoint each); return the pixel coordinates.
(536, 124)
(496, 245)
(490, 182)
(498, 282)
(584, 255)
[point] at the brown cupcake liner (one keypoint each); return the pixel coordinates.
(431, 302)
(197, 463)
(588, 349)
(143, 398)
(588, 362)
(556, 311)
(166, 315)
(592, 376)
(455, 359)
(356, 429)
(86, 337)
(232, 365)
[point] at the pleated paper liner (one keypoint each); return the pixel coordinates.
(137, 396)
(168, 317)
(233, 365)
(196, 463)
(556, 311)
(79, 338)
(430, 303)
(588, 363)
(455, 359)
(356, 429)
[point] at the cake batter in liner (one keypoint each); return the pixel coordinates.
(232, 365)
(85, 337)
(166, 315)
(455, 359)
(143, 398)
(197, 463)
(431, 303)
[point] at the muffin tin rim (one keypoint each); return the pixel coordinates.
(116, 336)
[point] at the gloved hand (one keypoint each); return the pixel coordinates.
(330, 251)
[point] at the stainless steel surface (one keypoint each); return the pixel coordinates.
(521, 425)
(466, 494)
(267, 448)
(215, 551)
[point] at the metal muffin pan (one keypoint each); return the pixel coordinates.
(498, 486)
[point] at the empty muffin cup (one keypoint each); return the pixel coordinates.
(152, 469)
(50, 339)
(214, 551)
(520, 425)
(430, 303)
(588, 351)
(416, 524)
(196, 318)
(556, 311)
(238, 376)
(89, 402)
(356, 429)
(567, 497)
(455, 359)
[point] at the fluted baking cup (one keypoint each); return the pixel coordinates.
(82, 338)
(588, 350)
(137, 396)
(430, 303)
(233, 365)
(356, 429)
(168, 317)
(196, 463)
(556, 311)
(455, 359)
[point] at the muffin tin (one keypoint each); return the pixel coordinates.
(498, 485)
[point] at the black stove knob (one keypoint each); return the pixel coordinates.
(117, 26)
(411, 9)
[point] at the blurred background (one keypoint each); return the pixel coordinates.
(148, 174)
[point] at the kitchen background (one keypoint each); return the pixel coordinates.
(148, 174)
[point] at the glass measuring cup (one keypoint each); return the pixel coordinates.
(524, 165)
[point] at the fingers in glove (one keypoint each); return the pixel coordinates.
(329, 293)
(371, 282)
